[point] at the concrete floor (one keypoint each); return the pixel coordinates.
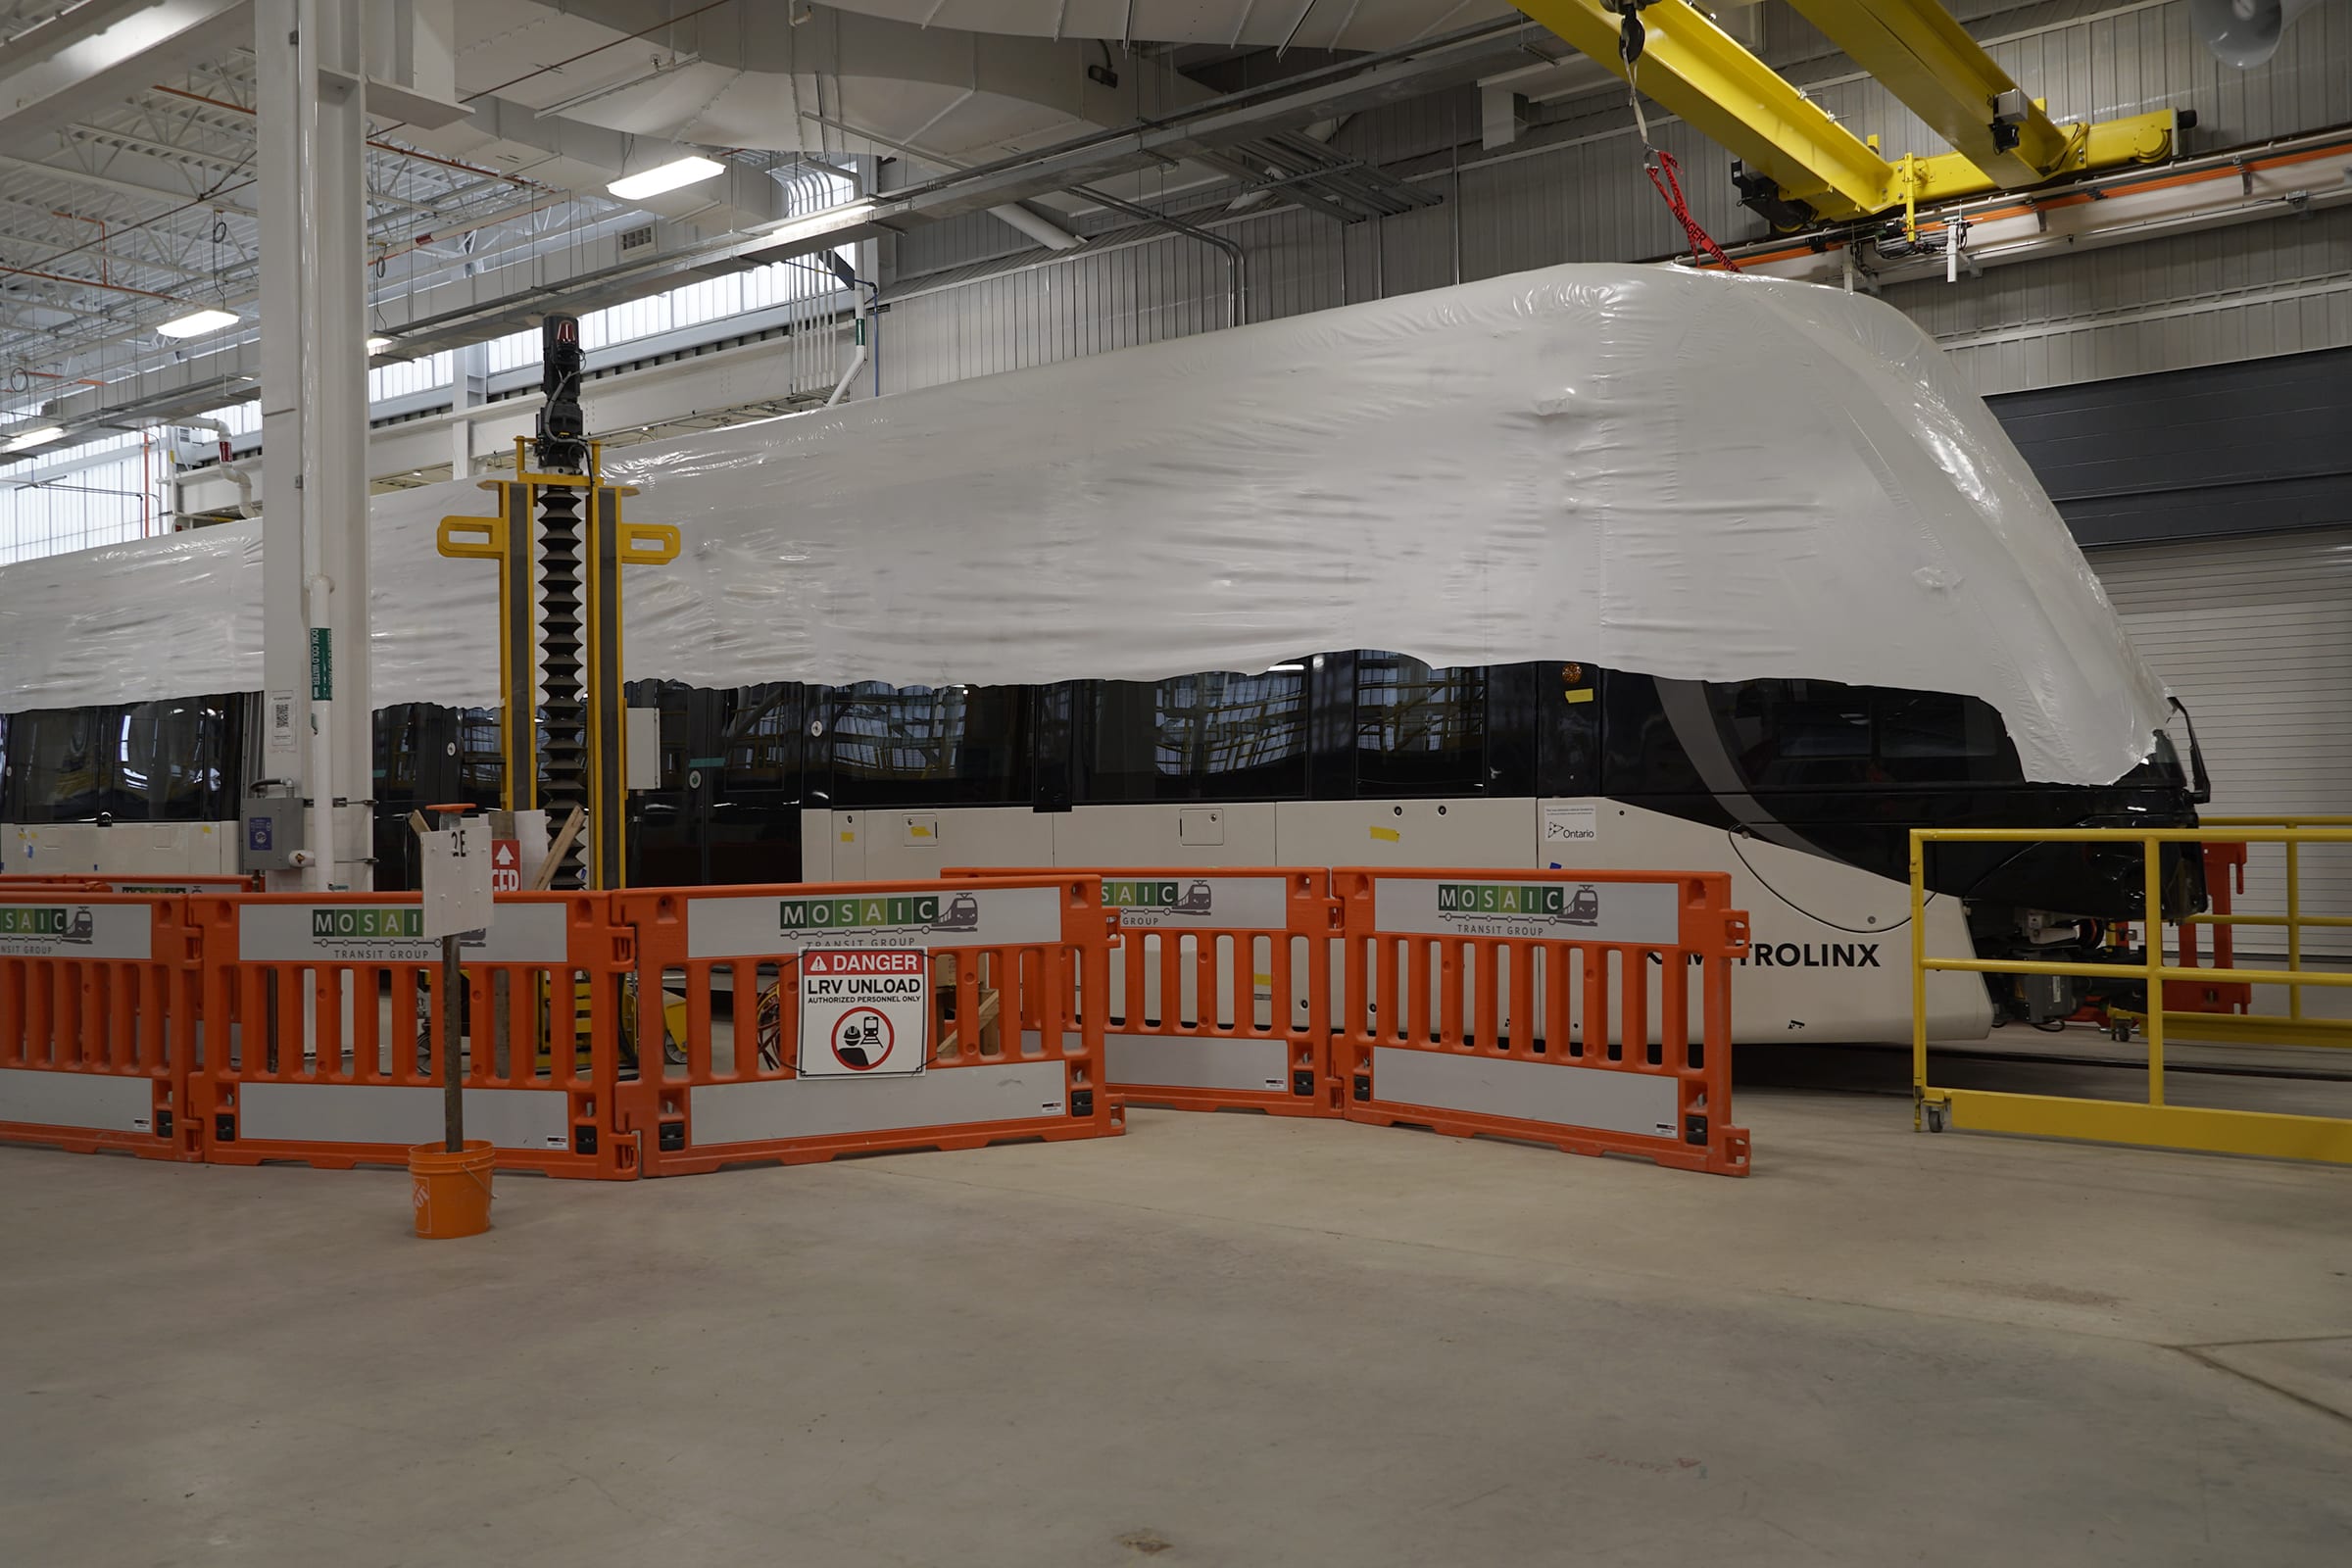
(1219, 1340)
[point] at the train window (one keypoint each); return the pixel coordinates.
(170, 755)
(761, 738)
(1567, 728)
(1219, 726)
(1797, 734)
(1813, 734)
(481, 756)
(61, 769)
(148, 761)
(1936, 724)
(1210, 736)
(1418, 730)
(1641, 753)
(925, 746)
(399, 740)
(8, 780)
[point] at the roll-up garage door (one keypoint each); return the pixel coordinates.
(2255, 635)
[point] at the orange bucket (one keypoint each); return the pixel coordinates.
(451, 1192)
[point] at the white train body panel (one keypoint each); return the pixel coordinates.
(127, 849)
(1831, 944)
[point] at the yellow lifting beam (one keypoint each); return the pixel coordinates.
(1944, 77)
(1697, 71)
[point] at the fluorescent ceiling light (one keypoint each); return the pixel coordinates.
(377, 345)
(666, 176)
(198, 322)
(33, 439)
(847, 216)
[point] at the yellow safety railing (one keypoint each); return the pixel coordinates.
(2151, 1122)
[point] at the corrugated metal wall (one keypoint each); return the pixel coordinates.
(2255, 635)
(2272, 287)
(2260, 288)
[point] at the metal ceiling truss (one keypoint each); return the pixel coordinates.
(1346, 189)
(168, 169)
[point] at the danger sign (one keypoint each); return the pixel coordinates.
(863, 1012)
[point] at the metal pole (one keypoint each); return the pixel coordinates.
(310, 130)
(2152, 944)
(453, 1076)
(2294, 928)
(1918, 980)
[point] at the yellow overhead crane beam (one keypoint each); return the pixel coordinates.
(1697, 72)
(1936, 70)
(1798, 164)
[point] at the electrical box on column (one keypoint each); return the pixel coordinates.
(560, 543)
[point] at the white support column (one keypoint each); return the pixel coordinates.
(311, 128)
(469, 388)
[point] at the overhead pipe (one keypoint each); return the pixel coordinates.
(841, 389)
(236, 474)
(1052, 236)
(1237, 308)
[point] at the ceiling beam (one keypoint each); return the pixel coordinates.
(459, 308)
(104, 51)
(115, 183)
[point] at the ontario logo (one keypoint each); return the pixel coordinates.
(50, 922)
(877, 912)
(357, 924)
(1520, 900)
(1164, 897)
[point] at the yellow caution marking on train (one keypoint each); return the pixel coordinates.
(1387, 835)
(1578, 694)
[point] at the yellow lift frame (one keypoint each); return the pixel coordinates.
(608, 544)
(1702, 74)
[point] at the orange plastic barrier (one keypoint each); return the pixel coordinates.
(323, 1038)
(97, 1020)
(1220, 991)
(1001, 1053)
(1553, 1006)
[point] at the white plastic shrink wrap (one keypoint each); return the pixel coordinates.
(1689, 475)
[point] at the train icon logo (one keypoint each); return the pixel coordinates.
(862, 1037)
(49, 921)
(962, 913)
(1584, 908)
